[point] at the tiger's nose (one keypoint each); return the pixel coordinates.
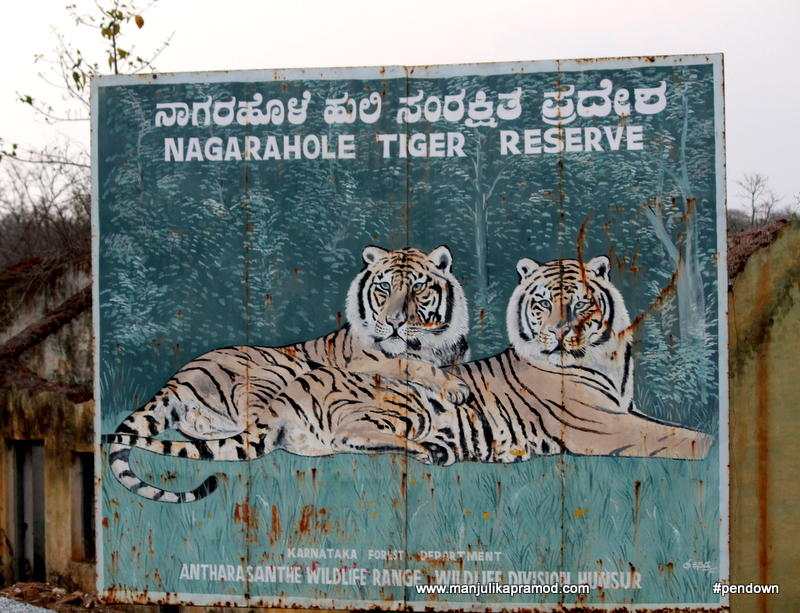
(396, 320)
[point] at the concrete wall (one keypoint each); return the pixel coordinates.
(764, 327)
(67, 354)
(64, 428)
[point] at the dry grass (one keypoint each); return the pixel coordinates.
(742, 246)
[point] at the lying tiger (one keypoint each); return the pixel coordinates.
(407, 318)
(565, 385)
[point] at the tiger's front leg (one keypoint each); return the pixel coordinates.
(371, 441)
(427, 379)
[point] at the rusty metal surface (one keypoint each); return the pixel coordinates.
(233, 213)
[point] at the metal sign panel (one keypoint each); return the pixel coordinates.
(448, 337)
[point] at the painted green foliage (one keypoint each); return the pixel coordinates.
(202, 253)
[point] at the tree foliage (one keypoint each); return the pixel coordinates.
(70, 72)
(45, 194)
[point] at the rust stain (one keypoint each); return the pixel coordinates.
(276, 532)
(763, 442)
(667, 569)
(246, 514)
(634, 267)
(669, 289)
(637, 490)
(306, 518)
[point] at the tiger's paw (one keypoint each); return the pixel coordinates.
(456, 390)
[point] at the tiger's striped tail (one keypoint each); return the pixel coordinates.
(119, 461)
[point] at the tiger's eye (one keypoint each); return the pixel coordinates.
(384, 286)
(545, 304)
(418, 286)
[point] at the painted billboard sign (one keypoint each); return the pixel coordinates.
(366, 336)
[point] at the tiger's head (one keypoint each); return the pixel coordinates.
(568, 313)
(408, 301)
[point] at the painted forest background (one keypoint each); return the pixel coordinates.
(200, 255)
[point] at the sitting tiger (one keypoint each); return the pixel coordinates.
(566, 314)
(520, 403)
(407, 320)
(566, 383)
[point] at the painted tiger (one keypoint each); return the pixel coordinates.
(567, 314)
(520, 403)
(407, 320)
(566, 382)
(565, 385)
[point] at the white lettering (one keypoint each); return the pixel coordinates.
(251, 147)
(634, 134)
(455, 144)
(213, 149)
(308, 151)
(417, 146)
(387, 140)
(347, 147)
(232, 150)
(291, 148)
(193, 151)
(508, 142)
(533, 141)
(553, 139)
(173, 150)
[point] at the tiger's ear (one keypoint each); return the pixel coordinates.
(441, 258)
(600, 266)
(372, 254)
(526, 267)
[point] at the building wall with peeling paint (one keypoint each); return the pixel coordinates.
(67, 353)
(63, 429)
(764, 328)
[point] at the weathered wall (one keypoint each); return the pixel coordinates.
(65, 355)
(764, 314)
(64, 428)
(764, 318)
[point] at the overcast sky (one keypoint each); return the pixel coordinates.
(760, 41)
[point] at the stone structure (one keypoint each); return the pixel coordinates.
(764, 341)
(46, 424)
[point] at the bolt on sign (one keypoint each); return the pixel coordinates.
(448, 337)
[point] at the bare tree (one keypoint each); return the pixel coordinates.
(754, 187)
(70, 72)
(769, 207)
(44, 212)
(45, 194)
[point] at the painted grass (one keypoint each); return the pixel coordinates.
(562, 513)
